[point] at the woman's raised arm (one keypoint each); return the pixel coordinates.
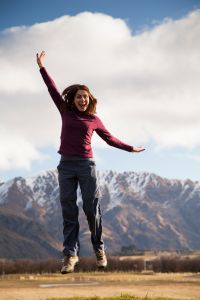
(53, 91)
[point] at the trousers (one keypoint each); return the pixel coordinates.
(72, 173)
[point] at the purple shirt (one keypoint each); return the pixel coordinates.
(78, 127)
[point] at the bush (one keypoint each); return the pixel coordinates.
(163, 264)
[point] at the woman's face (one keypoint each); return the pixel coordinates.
(81, 100)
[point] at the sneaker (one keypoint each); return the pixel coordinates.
(101, 259)
(69, 262)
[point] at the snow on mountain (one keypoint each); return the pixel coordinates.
(140, 209)
(43, 188)
(4, 187)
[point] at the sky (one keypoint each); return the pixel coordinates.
(141, 60)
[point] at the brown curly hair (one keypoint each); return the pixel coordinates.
(69, 94)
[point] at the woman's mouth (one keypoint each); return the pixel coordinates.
(83, 106)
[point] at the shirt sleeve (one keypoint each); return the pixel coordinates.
(53, 91)
(109, 139)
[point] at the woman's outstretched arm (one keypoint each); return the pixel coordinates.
(113, 141)
(53, 91)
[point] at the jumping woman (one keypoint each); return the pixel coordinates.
(77, 107)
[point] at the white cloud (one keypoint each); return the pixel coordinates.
(147, 84)
(17, 152)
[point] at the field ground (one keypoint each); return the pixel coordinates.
(150, 255)
(46, 286)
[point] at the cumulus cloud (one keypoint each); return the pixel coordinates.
(17, 151)
(146, 84)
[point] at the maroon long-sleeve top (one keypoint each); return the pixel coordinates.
(78, 127)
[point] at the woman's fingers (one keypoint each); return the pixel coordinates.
(138, 149)
(41, 55)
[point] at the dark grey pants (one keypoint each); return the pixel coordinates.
(70, 174)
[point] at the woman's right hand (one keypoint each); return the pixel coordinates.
(40, 59)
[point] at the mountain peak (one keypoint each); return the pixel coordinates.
(143, 209)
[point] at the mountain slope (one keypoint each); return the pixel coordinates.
(140, 209)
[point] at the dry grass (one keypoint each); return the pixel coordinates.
(100, 284)
(122, 297)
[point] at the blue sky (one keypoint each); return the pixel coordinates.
(172, 145)
(139, 13)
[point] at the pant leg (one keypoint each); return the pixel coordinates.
(88, 181)
(68, 184)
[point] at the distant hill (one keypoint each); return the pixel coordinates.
(140, 209)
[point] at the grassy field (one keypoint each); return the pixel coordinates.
(122, 297)
(100, 284)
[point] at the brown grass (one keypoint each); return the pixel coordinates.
(28, 287)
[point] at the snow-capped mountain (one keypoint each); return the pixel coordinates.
(140, 209)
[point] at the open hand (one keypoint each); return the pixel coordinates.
(138, 149)
(40, 59)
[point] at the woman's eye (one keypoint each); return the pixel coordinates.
(80, 96)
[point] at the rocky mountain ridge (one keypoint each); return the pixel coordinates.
(139, 209)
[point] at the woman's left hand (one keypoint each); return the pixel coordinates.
(138, 149)
(40, 59)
